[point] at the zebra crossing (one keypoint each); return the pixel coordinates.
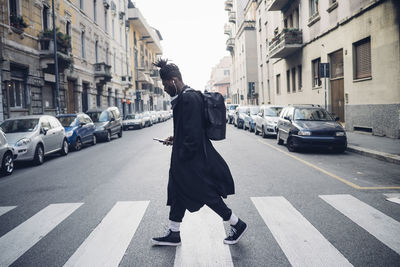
(202, 233)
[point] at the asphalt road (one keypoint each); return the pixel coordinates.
(311, 208)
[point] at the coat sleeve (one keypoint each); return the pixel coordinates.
(192, 126)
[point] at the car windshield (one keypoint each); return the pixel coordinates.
(254, 110)
(243, 110)
(132, 116)
(312, 114)
(67, 121)
(232, 107)
(19, 126)
(273, 112)
(98, 116)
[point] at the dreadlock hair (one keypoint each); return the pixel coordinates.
(167, 71)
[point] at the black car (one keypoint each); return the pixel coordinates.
(108, 122)
(310, 126)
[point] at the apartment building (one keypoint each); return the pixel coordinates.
(360, 41)
(242, 45)
(220, 78)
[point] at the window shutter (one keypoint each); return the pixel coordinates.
(363, 59)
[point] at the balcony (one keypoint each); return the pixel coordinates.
(230, 44)
(106, 4)
(46, 46)
(228, 5)
(285, 43)
(102, 73)
(227, 30)
(278, 5)
(126, 81)
(232, 17)
(249, 25)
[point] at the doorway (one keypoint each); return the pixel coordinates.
(337, 84)
(71, 98)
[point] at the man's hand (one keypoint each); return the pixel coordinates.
(169, 141)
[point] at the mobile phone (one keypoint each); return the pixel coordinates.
(159, 140)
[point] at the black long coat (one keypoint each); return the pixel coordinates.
(198, 174)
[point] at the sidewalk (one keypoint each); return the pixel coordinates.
(382, 148)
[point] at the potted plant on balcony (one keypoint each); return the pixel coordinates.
(17, 23)
(63, 40)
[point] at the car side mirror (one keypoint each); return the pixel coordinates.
(337, 118)
(287, 118)
(81, 124)
(44, 130)
(112, 119)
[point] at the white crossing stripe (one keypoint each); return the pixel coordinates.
(301, 242)
(23, 237)
(202, 235)
(4, 210)
(106, 245)
(384, 228)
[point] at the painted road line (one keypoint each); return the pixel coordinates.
(384, 228)
(343, 180)
(4, 210)
(23, 237)
(106, 245)
(202, 235)
(301, 242)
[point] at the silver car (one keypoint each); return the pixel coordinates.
(6, 155)
(267, 119)
(33, 137)
(133, 121)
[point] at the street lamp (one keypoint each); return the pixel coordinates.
(56, 62)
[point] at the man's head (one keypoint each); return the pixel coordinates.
(171, 76)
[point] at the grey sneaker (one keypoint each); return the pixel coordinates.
(236, 233)
(170, 239)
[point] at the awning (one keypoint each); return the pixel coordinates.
(150, 80)
(159, 84)
(141, 77)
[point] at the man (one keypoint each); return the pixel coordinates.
(198, 175)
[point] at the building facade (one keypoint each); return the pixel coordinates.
(220, 78)
(359, 40)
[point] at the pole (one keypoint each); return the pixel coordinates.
(325, 84)
(56, 61)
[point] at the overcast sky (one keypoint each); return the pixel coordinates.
(193, 34)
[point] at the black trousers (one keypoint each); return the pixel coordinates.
(177, 210)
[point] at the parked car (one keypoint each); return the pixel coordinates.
(34, 137)
(108, 122)
(147, 119)
(230, 112)
(306, 126)
(6, 155)
(79, 129)
(267, 119)
(133, 121)
(250, 118)
(153, 116)
(240, 114)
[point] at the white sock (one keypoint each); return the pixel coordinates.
(174, 226)
(233, 220)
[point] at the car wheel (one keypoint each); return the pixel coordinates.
(278, 137)
(7, 166)
(78, 144)
(94, 140)
(256, 132)
(120, 133)
(263, 133)
(290, 145)
(108, 138)
(64, 148)
(38, 159)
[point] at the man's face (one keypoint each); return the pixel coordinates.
(169, 87)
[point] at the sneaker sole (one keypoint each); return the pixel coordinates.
(160, 243)
(237, 240)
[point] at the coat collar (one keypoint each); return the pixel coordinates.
(175, 99)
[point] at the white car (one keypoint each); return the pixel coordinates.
(35, 136)
(6, 155)
(133, 121)
(267, 119)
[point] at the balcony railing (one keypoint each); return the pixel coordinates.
(277, 5)
(285, 43)
(102, 73)
(227, 29)
(232, 17)
(230, 44)
(249, 25)
(64, 56)
(228, 5)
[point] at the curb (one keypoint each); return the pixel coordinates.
(375, 154)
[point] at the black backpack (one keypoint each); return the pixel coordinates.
(215, 114)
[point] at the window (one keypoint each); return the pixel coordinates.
(315, 72)
(313, 7)
(336, 60)
(54, 122)
(16, 90)
(83, 44)
(362, 59)
(81, 4)
(96, 51)
(278, 84)
(48, 96)
(294, 80)
(94, 11)
(288, 80)
(45, 123)
(14, 7)
(112, 29)
(45, 17)
(226, 72)
(68, 28)
(107, 56)
(120, 35)
(299, 77)
(105, 21)
(115, 60)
